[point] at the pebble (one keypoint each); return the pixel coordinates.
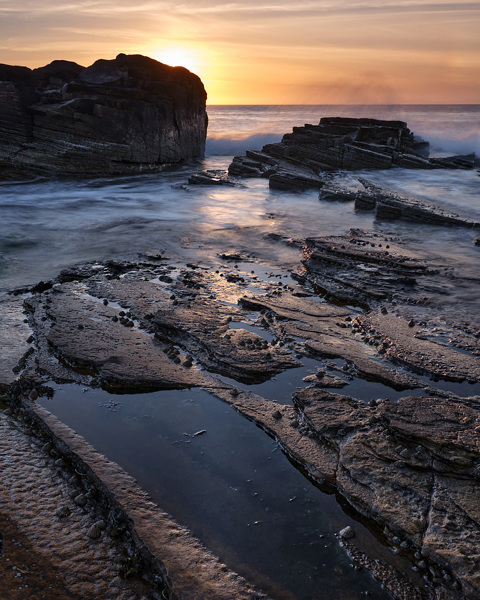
(347, 533)
(101, 524)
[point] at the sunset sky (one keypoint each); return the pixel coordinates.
(268, 52)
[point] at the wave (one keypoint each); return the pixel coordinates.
(466, 145)
(223, 146)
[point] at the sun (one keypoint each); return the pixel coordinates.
(177, 56)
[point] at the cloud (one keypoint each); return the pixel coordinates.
(250, 8)
(247, 44)
(273, 9)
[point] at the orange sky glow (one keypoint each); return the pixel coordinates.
(268, 52)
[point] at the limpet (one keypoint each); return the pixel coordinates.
(80, 500)
(64, 512)
(94, 532)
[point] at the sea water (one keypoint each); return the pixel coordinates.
(46, 226)
(49, 225)
(449, 128)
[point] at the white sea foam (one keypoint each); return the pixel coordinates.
(224, 146)
(466, 145)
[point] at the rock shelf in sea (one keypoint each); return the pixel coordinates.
(307, 157)
(342, 143)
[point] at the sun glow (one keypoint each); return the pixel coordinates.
(179, 56)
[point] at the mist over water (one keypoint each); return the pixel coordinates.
(233, 129)
(49, 225)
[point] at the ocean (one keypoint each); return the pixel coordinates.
(453, 129)
(49, 225)
(46, 226)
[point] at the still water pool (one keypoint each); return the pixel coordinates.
(231, 485)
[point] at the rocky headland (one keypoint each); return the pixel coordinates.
(364, 305)
(127, 115)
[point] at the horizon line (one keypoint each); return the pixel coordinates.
(351, 104)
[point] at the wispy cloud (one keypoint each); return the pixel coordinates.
(281, 42)
(309, 8)
(32, 8)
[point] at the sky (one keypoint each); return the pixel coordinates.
(268, 52)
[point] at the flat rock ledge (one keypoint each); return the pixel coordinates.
(409, 467)
(97, 534)
(131, 114)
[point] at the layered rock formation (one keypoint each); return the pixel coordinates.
(127, 115)
(413, 464)
(340, 143)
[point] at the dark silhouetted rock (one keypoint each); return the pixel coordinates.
(127, 115)
(392, 206)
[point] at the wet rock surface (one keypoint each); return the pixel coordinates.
(409, 468)
(406, 463)
(15, 339)
(212, 177)
(362, 268)
(127, 115)
(47, 550)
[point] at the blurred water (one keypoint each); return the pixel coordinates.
(49, 225)
(233, 129)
